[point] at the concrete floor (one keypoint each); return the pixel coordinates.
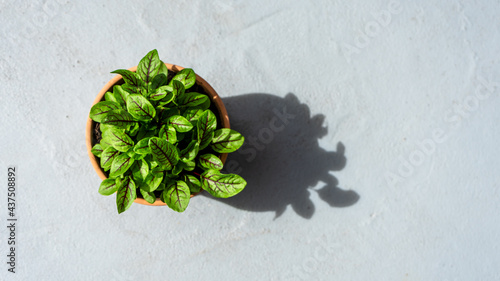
(385, 167)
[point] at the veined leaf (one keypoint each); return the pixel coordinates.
(142, 146)
(149, 66)
(108, 186)
(108, 156)
(97, 150)
(189, 165)
(118, 139)
(210, 161)
(148, 196)
(101, 109)
(178, 88)
(159, 80)
(139, 107)
(152, 180)
(206, 126)
(180, 124)
(191, 99)
(130, 77)
(140, 170)
(220, 185)
(126, 194)
(110, 96)
(186, 77)
(178, 168)
(190, 152)
(193, 183)
(120, 165)
(132, 89)
(176, 196)
(120, 95)
(118, 118)
(164, 152)
(168, 133)
(226, 140)
(159, 94)
(192, 115)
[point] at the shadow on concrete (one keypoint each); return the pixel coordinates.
(281, 157)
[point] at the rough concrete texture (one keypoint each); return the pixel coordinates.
(385, 168)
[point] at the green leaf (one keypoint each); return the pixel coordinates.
(142, 146)
(159, 80)
(139, 107)
(140, 170)
(193, 183)
(118, 118)
(168, 133)
(186, 76)
(130, 77)
(125, 195)
(132, 89)
(101, 109)
(108, 156)
(176, 196)
(148, 196)
(163, 69)
(133, 130)
(180, 124)
(118, 139)
(152, 180)
(164, 152)
(120, 95)
(191, 99)
(97, 150)
(220, 185)
(149, 66)
(190, 152)
(108, 186)
(110, 96)
(206, 126)
(210, 161)
(226, 140)
(178, 88)
(120, 165)
(160, 93)
(192, 115)
(178, 168)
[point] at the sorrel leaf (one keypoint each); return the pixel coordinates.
(140, 108)
(164, 152)
(130, 78)
(191, 99)
(142, 146)
(118, 139)
(221, 185)
(148, 196)
(125, 195)
(206, 125)
(226, 140)
(120, 165)
(101, 109)
(176, 196)
(149, 66)
(108, 186)
(118, 118)
(180, 124)
(108, 156)
(210, 161)
(186, 77)
(193, 183)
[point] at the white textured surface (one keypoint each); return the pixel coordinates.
(381, 95)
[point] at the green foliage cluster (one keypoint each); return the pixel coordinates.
(161, 139)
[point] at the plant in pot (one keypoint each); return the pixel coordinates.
(154, 138)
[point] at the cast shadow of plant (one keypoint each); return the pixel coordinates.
(281, 157)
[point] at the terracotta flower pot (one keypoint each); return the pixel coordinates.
(222, 119)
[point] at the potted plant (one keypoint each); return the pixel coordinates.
(157, 134)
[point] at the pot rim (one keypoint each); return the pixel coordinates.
(215, 98)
